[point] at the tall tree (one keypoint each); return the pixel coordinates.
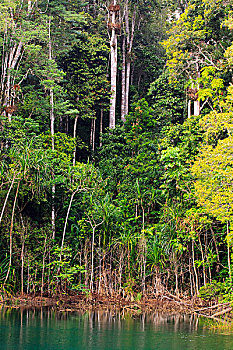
(113, 24)
(24, 33)
(197, 39)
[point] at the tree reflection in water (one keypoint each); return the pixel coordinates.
(45, 328)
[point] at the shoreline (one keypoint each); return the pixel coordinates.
(96, 302)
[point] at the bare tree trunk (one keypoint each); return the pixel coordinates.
(189, 108)
(143, 262)
(6, 198)
(190, 276)
(93, 136)
(128, 66)
(7, 78)
(92, 257)
(194, 267)
(120, 270)
(86, 262)
(113, 52)
(100, 267)
(123, 81)
(74, 136)
(11, 57)
(176, 275)
(203, 259)
(11, 230)
(216, 248)
(67, 216)
(196, 108)
(52, 122)
(129, 41)
(43, 268)
(22, 265)
(101, 125)
(52, 119)
(23, 239)
(94, 226)
(28, 277)
(29, 6)
(228, 253)
(91, 133)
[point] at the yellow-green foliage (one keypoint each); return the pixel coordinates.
(214, 123)
(7, 8)
(229, 51)
(185, 36)
(214, 179)
(188, 49)
(229, 21)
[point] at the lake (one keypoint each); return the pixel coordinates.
(40, 329)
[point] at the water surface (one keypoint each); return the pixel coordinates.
(41, 329)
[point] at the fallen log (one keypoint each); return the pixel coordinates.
(223, 312)
(174, 297)
(211, 307)
(217, 319)
(179, 301)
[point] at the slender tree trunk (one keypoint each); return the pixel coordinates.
(101, 125)
(143, 241)
(12, 57)
(129, 42)
(74, 136)
(127, 85)
(92, 258)
(113, 53)
(94, 226)
(228, 253)
(91, 133)
(190, 276)
(123, 80)
(6, 198)
(143, 262)
(52, 122)
(120, 270)
(197, 105)
(216, 248)
(203, 259)
(23, 239)
(176, 276)
(29, 6)
(66, 220)
(100, 268)
(86, 262)
(43, 268)
(11, 230)
(22, 265)
(196, 108)
(194, 267)
(28, 277)
(189, 108)
(93, 136)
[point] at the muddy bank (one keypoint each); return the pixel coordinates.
(97, 302)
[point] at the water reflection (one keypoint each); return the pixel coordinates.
(45, 328)
(46, 317)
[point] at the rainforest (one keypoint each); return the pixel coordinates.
(116, 149)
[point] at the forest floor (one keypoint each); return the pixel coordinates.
(165, 304)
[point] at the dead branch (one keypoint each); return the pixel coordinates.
(223, 312)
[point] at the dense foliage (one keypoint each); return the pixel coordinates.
(136, 209)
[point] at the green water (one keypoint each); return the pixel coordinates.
(42, 329)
